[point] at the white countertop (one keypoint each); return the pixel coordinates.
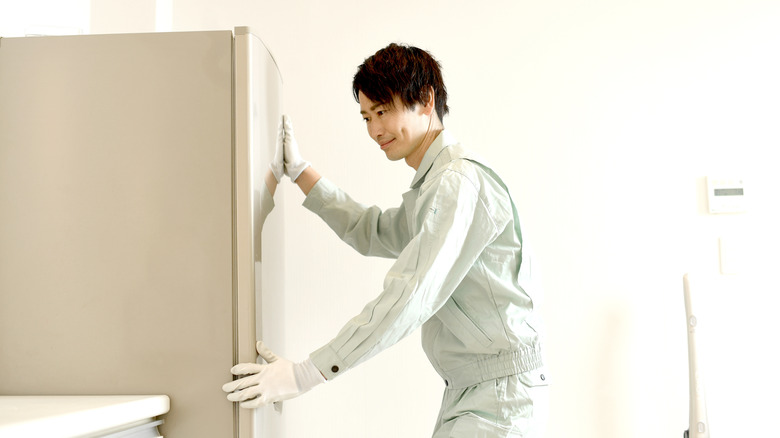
(75, 416)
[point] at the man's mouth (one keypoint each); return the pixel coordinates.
(384, 145)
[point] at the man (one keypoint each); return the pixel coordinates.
(459, 270)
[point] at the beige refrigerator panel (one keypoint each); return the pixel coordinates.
(122, 264)
(259, 230)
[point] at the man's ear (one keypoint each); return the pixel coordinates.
(430, 102)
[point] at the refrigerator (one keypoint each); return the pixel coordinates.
(138, 233)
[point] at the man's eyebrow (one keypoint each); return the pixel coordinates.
(372, 108)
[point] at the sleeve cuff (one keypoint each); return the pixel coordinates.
(322, 192)
(328, 362)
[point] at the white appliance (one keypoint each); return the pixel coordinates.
(132, 197)
(85, 416)
(698, 426)
(731, 327)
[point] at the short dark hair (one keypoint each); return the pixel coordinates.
(405, 71)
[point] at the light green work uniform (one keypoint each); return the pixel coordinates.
(459, 274)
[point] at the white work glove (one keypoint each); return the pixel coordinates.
(294, 165)
(275, 381)
(277, 165)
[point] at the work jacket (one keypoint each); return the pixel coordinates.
(459, 273)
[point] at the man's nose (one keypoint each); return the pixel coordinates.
(375, 130)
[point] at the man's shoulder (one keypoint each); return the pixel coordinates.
(459, 159)
(458, 166)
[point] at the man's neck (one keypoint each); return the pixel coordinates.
(435, 128)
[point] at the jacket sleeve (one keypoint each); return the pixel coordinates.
(369, 230)
(454, 227)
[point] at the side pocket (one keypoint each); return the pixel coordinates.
(534, 378)
(537, 387)
(472, 426)
(461, 325)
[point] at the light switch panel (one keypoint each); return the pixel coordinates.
(726, 195)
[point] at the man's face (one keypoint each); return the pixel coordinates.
(398, 130)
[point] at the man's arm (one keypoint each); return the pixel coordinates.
(370, 231)
(454, 226)
(307, 179)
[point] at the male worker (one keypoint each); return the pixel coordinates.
(459, 271)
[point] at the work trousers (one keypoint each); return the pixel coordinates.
(508, 407)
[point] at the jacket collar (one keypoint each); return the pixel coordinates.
(443, 140)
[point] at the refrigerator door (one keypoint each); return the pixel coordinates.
(259, 238)
(119, 240)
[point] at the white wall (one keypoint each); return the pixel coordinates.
(603, 117)
(44, 17)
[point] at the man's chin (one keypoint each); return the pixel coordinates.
(392, 157)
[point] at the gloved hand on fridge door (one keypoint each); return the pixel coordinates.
(277, 380)
(277, 165)
(294, 165)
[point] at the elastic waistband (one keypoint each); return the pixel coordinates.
(493, 367)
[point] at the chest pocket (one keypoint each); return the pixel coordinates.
(461, 325)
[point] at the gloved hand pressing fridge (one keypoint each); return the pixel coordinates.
(277, 380)
(294, 165)
(277, 165)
